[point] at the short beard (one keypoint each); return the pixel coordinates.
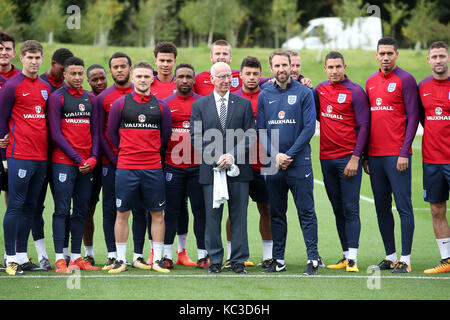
(122, 82)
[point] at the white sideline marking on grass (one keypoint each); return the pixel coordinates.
(373, 201)
(228, 276)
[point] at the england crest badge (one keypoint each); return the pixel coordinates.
(391, 87)
(291, 99)
(235, 82)
(62, 177)
(44, 94)
(22, 173)
(169, 176)
(342, 97)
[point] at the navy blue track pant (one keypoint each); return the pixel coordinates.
(25, 179)
(70, 185)
(300, 181)
(387, 181)
(343, 193)
(182, 183)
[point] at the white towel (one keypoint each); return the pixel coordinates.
(220, 189)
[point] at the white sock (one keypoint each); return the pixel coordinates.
(22, 257)
(157, 250)
(168, 248)
(66, 252)
(314, 262)
(352, 253)
(89, 251)
(444, 247)
(182, 239)
(267, 246)
(346, 254)
(392, 257)
(406, 259)
(228, 250)
(10, 259)
(280, 261)
(75, 256)
(40, 249)
(201, 253)
(112, 254)
(59, 256)
(121, 251)
(136, 256)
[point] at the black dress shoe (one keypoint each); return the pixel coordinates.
(239, 268)
(214, 268)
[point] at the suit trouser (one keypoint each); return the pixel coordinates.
(386, 181)
(343, 193)
(237, 210)
(300, 181)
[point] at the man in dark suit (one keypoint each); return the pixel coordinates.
(222, 131)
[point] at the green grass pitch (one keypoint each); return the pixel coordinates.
(187, 283)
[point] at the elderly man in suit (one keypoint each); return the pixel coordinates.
(222, 131)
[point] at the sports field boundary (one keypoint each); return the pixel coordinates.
(299, 276)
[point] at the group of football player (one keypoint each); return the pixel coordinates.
(132, 141)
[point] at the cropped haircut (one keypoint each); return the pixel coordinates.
(165, 47)
(93, 67)
(119, 55)
(184, 65)
(143, 65)
(251, 62)
(334, 55)
(438, 45)
(61, 55)
(5, 36)
(221, 43)
(73, 61)
(387, 41)
(31, 46)
(279, 53)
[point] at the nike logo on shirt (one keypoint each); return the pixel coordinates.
(270, 102)
(25, 94)
(426, 94)
(307, 175)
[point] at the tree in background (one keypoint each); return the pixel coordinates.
(284, 20)
(423, 25)
(100, 18)
(48, 18)
(349, 10)
(8, 21)
(153, 22)
(397, 11)
(206, 18)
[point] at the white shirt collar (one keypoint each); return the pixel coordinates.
(217, 97)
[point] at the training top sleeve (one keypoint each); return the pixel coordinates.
(95, 126)
(115, 116)
(309, 125)
(55, 105)
(411, 100)
(362, 118)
